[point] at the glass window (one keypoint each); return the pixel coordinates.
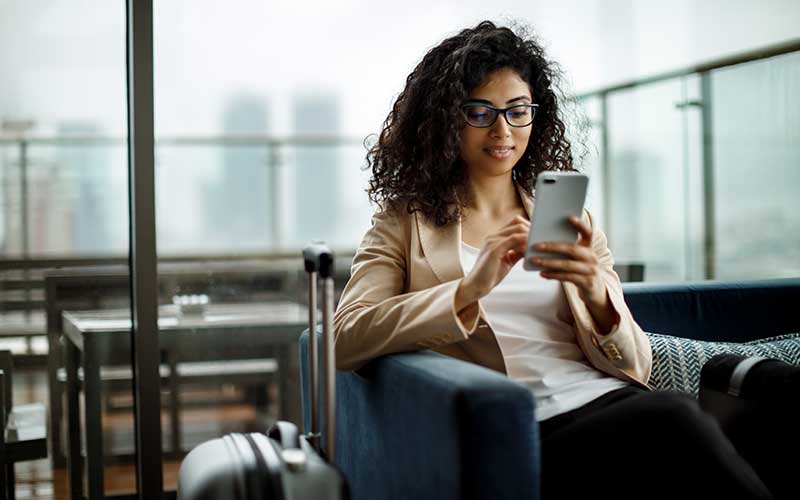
(64, 223)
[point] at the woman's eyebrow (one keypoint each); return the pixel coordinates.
(484, 101)
(518, 99)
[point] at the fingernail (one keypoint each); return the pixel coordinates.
(540, 246)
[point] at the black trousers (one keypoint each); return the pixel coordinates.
(638, 444)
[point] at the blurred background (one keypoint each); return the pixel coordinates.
(261, 113)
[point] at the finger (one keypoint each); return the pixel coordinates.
(573, 250)
(517, 221)
(565, 265)
(518, 227)
(584, 230)
(515, 241)
(579, 280)
(518, 218)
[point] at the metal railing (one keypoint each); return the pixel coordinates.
(274, 145)
(723, 62)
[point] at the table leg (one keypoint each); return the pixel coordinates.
(289, 384)
(94, 420)
(294, 411)
(74, 460)
(282, 355)
(54, 360)
(174, 402)
(10, 481)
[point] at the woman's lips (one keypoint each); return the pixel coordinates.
(499, 152)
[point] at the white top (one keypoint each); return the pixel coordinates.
(539, 349)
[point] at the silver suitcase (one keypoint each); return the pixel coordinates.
(281, 464)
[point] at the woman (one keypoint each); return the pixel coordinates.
(453, 174)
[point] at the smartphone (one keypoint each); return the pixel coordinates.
(557, 196)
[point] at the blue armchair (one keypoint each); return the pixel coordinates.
(425, 426)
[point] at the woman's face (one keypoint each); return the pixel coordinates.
(494, 150)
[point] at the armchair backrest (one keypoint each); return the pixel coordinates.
(737, 311)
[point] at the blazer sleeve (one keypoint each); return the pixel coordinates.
(626, 346)
(377, 316)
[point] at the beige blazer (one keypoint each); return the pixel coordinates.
(401, 293)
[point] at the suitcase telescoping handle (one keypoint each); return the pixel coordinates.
(318, 260)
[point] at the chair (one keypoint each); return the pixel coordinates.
(425, 426)
(23, 429)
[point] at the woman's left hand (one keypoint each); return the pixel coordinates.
(580, 266)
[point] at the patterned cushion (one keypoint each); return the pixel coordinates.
(677, 361)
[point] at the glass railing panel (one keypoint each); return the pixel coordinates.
(214, 198)
(324, 196)
(77, 197)
(11, 202)
(646, 179)
(590, 156)
(756, 151)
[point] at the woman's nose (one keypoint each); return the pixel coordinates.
(500, 128)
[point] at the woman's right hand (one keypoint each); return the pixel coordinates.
(500, 252)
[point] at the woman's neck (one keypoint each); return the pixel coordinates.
(492, 197)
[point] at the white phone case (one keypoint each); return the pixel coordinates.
(558, 195)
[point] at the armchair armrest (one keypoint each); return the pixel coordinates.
(422, 425)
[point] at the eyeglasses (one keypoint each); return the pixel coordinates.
(484, 116)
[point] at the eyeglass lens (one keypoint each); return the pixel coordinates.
(484, 116)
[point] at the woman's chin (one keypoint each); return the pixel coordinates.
(494, 168)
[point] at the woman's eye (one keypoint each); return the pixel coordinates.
(478, 114)
(520, 114)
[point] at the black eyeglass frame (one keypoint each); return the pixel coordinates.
(497, 112)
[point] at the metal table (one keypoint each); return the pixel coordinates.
(224, 332)
(94, 287)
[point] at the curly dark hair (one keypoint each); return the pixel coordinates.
(416, 161)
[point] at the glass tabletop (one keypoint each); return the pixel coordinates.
(213, 315)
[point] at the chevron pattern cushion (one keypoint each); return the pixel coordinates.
(677, 361)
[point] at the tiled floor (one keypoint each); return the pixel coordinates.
(40, 480)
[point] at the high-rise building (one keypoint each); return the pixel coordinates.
(316, 194)
(79, 185)
(236, 204)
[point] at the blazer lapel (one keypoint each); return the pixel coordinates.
(442, 248)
